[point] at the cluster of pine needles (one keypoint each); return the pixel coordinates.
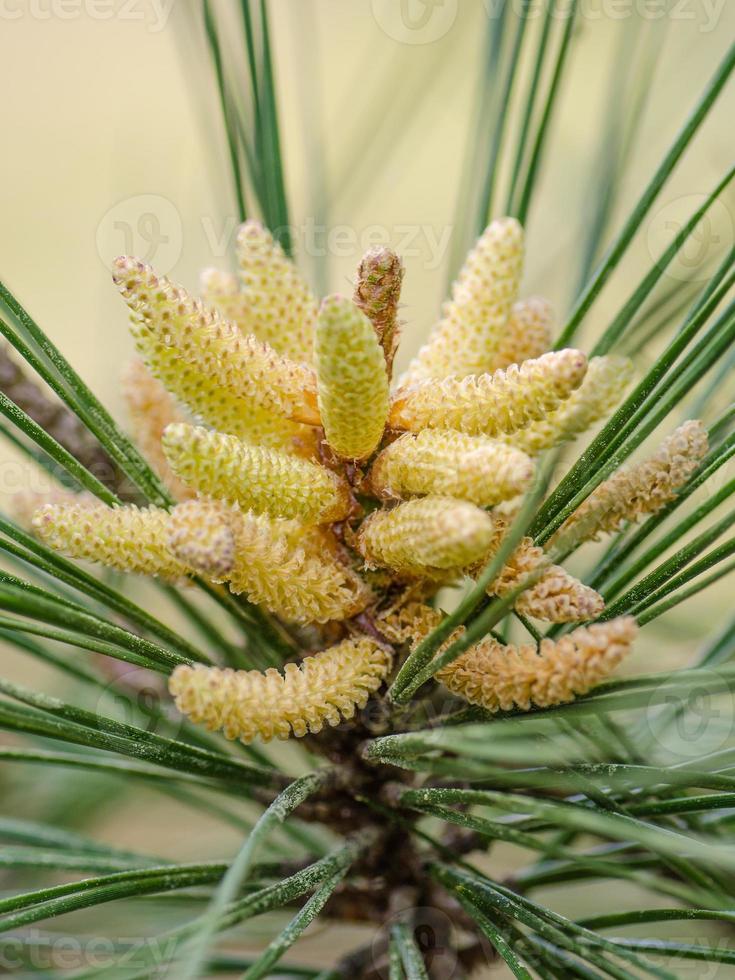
(357, 550)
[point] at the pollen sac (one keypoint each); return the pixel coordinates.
(164, 314)
(425, 536)
(25, 503)
(259, 479)
(280, 299)
(292, 570)
(129, 538)
(468, 337)
(603, 387)
(200, 534)
(500, 678)
(552, 595)
(151, 408)
(271, 299)
(377, 294)
(527, 334)
(220, 290)
(215, 286)
(324, 689)
(638, 490)
(549, 592)
(559, 597)
(410, 621)
(352, 379)
(491, 404)
(452, 464)
(218, 406)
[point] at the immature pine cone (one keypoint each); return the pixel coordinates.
(641, 489)
(271, 421)
(527, 334)
(271, 299)
(490, 404)
(500, 678)
(324, 689)
(424, 536)
(220, 407)
(129, 538)
(469, 335)
(164, 314)
(292, 570)
(377, 293)
(602, 388)
(151, 408)
(555, 596)
(352, 379)
(452, 464)
(267, 481)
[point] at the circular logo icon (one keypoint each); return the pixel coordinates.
(693, 721)
(713, 233)
(431, 929)
(147, 226)
(415, 21)
(136, 696)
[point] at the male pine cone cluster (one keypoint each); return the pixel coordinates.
(311, 487)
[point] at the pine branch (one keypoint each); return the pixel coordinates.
(57, 420)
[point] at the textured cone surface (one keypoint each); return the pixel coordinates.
(324, 689)
(469, 335)
(221, 289)
(352, 379)
(151, 408)
(452, 464)
(554, 595)
(527, 334)
(425, 535)
(131, 539)
(200, 534)
(412, 622)
(638, 490)
(558, 597)
(25, 503)
(491, 404)
(603, 387)
(217, 406)
(377, 294)
(165, 314)
(500, 678)
(271, 299)
(264, 480)
(281, 302)
(292, 570)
